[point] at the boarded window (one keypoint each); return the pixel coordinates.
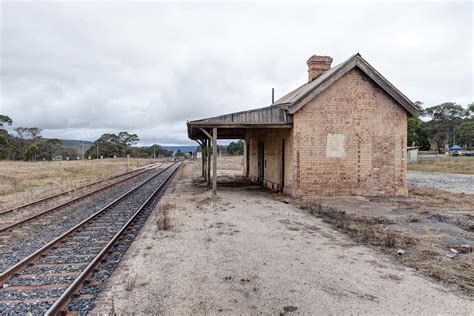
(335, 146)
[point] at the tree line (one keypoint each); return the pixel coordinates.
(439, 126)
(234, 148)
(28, 144)
(121, 145)
(442, 125)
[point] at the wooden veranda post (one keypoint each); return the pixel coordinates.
(201, 145)
(204, 159)
(203, 174)
(208, 163)
(212, 137)
(214, 162)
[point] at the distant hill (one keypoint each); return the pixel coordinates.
(76, 144)
(183, 149)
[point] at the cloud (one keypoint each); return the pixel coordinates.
(80, 69)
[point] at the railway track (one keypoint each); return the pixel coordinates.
(67, 273)
(23, 213)
(27, 235)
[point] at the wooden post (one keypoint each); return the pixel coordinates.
(214, 162)
(208, 163)
(201, 145)
(203, 174)
(204, 157)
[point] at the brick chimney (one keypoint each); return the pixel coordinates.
(318, 65)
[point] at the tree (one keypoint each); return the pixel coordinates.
(465, 132)
(30, 133)
(236, 148)
(445, 118)
(111, 145)
(4, 144)
(416, 133)
(157, 150)
(470, 107)
(5, 120)
(25, 137)
(3, 140)
(30, 153)
(127, 139)
(69, 152)
(49, 148)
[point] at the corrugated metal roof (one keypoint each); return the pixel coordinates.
(268, 114)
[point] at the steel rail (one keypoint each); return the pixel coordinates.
(60, 305)
(23, 221)
(10, 272)
(17, 208)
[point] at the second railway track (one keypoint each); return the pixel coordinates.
(66, 273)
(14, 216)
(24, 238)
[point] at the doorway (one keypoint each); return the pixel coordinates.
(282, 165)
(247, 159)
(261, 162)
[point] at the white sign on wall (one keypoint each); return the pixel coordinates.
(335, 146)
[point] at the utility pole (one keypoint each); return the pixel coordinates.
(97, 147)
(82, 150)
(154, 141)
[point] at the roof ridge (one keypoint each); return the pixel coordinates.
(302, 95)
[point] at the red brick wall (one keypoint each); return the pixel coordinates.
(350, 140)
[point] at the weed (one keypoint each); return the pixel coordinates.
(165, 221)
(130, 283)
(422, 253)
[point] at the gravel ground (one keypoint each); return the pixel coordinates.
(246, 253)
(457, 183)
(23, 241)
(98, 232)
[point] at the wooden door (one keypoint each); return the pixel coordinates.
(282, 165)
(261, 162)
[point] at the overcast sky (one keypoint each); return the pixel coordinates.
(80, 69)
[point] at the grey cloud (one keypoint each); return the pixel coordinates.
(80, 69)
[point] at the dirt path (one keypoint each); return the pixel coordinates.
(247, 253)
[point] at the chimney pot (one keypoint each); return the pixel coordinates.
(318, 65)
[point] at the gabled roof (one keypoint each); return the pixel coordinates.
(233, 125)
(297, 98)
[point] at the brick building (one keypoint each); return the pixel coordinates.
(343, 132)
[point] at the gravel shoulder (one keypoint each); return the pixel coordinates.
(247, 253)
(452, 182)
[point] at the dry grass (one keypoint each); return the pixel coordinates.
(423, 252)
(22, 182)
(130, 282)
(230, 163)
(464, 165)
(186, 171)
(165, 218)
